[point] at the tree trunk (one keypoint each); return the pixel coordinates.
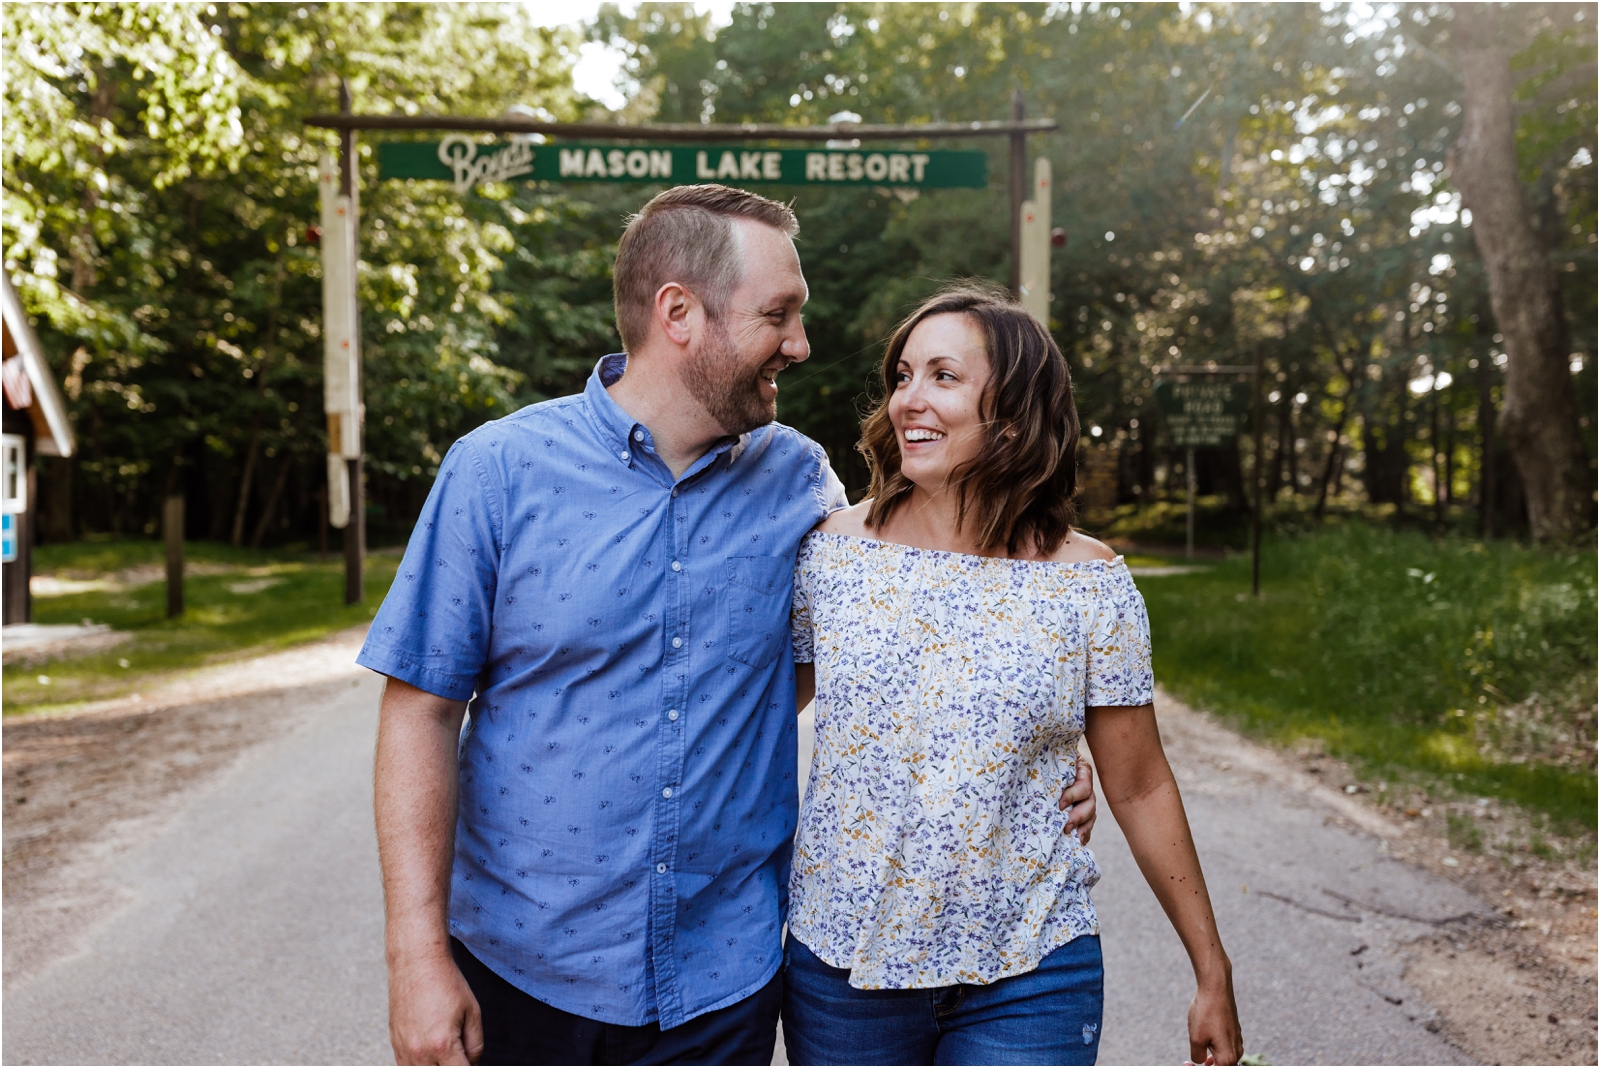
(1283, 454)
(1335, 458)
(273, 498)
(248, 475)
(1486, 448)
(1539, 418)
(1383, 440)
(1434, 462)
(1449, 455)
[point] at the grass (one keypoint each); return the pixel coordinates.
(1467, 665)
(236, 602)
(1470, 666)
(1218, 525)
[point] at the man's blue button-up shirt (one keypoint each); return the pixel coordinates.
(628, 787)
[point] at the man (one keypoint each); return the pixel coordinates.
(596, 870)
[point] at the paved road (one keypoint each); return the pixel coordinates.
(247, 926)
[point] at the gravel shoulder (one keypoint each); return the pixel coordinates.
(83, 789)
(1496, 960)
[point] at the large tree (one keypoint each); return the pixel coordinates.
(159, 189)
(1539, 420)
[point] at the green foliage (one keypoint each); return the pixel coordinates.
(1400, 652)
(1260, 179)
(158, 197)
(237, 602)
(1235, 181)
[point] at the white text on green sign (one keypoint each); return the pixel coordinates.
(465, 163)
(1204, 413)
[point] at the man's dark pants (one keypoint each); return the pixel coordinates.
(520, 1029)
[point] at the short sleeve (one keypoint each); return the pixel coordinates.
(1120, 673)
(830, 491)
(432, 630)
(800, 609)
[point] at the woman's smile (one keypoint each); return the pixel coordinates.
(937, 403)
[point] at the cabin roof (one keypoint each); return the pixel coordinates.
(48, 410)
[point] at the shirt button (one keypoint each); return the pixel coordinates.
(638, 435)
(672, 714)
(674, 493)
(676, 566)
(677, 643)
(667, 793)
(622, 455)
(661, 869)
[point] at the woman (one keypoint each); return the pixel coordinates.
(965, 638)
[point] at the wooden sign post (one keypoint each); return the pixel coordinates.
(465, 163)
(172, 530)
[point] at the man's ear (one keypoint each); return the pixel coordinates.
(676, 311)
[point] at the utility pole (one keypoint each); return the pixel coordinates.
(1019, 187)
(355, 532)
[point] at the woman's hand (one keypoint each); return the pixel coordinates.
(1214, 1033)
(1077, 801)
(1143, 795)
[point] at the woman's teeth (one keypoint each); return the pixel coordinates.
(923, 435)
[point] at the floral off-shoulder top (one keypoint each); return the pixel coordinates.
(951, 692)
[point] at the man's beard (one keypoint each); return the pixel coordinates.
(729, 392)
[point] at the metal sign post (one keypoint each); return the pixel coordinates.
(1255, 473)
(1201, 413)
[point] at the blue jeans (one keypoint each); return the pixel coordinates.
(1050, 1015)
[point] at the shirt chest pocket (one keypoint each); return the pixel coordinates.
(758, 607)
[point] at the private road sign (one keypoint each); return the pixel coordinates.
(462, 161)
(1202, 414)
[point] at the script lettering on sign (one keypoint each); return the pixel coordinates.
(460, 154)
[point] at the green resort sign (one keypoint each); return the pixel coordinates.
(464, 163)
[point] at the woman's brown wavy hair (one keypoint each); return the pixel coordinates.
(1018, 490)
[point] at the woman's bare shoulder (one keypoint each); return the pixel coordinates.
(851, 521)
(1079, 547)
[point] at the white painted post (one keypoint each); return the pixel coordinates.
(1035, 283)
(341, 345)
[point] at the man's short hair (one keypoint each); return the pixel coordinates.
(686, 235)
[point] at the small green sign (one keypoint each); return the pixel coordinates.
(1202, 414)
(465, 163)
